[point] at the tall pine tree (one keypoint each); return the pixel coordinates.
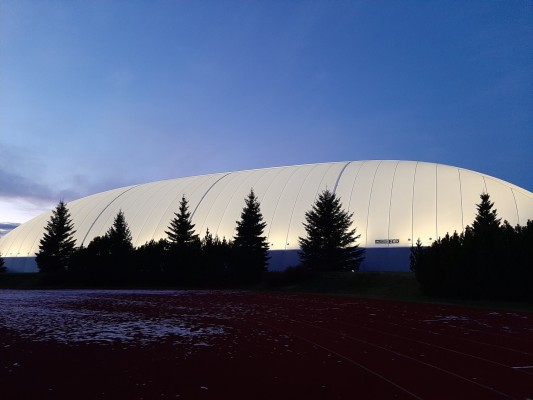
(119, 236)
(57, 245)
(250, 246)
(2, 265)
(183, 245)
(181, 229)
(330, 242)
(486, 221)
(117, 259)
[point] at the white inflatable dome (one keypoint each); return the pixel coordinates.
(394, 203)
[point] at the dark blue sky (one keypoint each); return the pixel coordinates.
(101, 94)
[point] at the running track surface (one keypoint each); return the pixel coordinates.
(242, 345)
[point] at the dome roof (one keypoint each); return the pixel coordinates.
(394, 203)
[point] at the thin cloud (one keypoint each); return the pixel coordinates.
(6, 227)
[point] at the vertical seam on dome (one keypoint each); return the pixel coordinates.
(101, 212)
(294, 205)
(413, 207)
(339, 177)
(269, 223)
(484, 183)
(437, 201)
(277, 202)
(354, 181)
(461, 199)
(141, 229)
(369, 202)
(206, 192)
(320, 183)
(34, 240)
(390, 198)
(215, 201)
(233, 196)
(162, 214)
(516, 206)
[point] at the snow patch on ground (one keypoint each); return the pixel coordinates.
(82, 316)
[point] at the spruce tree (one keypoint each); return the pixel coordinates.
(487, 255)
(57, 245)
(249, 244)
(181, 229)
(119, 236)
(2, 265)
(330, 242)
(486, 221)
(183, 245)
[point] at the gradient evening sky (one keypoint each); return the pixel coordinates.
(96, 95)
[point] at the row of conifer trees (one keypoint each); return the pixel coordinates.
(185, 258)
(490, 260)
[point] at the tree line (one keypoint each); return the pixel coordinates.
(490, 260)
(183, 258)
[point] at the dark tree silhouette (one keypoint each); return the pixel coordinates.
(149, 259)
(119, 242)
(488, 260)
(57, 245)
(486, 221)
(181, 229)
(330, 242)
(250, 247)
(215, 259)
(2, 265)
(183, 245)
(416, 255)
(119, 236)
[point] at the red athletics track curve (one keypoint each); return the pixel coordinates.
(241, 345)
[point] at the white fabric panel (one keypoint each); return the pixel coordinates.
(21, 241)
(87, 211)
(316, 178)
(472, 185)
(524, 202)
(449, 212)
(234, 202)
(401, 220)
(378, 210)
(424, 204)
(360, 199)
(346, 182)
(277, 234)
(503, 199)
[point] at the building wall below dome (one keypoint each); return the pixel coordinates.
(376, 259)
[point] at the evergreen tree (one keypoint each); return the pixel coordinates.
(330, 243)
(57, 245)
(149, 259)
(487, 248)
(215, 259)
(119, 236)
(2, 265)
(486, 221)
(249, 245)
(416, 256)
(181, 229)
(183, 245)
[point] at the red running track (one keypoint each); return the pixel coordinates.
(241, 345)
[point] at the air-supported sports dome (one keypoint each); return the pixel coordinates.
(394, 203)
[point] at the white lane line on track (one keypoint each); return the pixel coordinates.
(524, 367)
(458, 338)
(407, 357)
(344, 358)
(430, 344)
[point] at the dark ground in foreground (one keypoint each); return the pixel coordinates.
(130, 344)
